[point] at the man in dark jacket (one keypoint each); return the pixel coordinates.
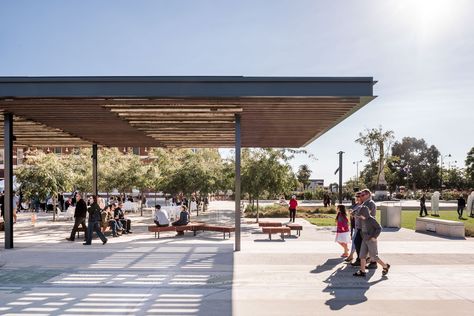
(79, 218)
(423, 206)
(461, 205)
(94, 222)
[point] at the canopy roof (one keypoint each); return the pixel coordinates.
(178, 111)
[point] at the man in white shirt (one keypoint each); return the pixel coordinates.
(161, 217)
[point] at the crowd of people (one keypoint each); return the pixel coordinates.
(100, 217)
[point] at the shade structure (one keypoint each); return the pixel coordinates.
(171, 112)
(178, 111)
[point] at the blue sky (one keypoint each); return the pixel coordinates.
(420, 52)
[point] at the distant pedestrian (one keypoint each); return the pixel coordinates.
(292, 208)
(342, 235)
(80, 214)
(461, 205)
(423, 206)
(94, 222)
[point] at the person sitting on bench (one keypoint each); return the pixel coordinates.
(183, 219)
(120, 217)
(161, 217)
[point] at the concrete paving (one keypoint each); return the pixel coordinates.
(140, 275)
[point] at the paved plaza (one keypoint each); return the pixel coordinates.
(140, 275)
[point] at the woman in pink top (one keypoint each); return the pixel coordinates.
(293, 205)
(343, 235)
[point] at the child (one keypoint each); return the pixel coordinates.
(343, 236)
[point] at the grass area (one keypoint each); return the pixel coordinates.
(408, 220)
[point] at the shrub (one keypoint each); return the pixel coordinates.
(469, 232)
(308, 195)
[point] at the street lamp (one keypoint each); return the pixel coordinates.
(441, 172)
(357, 170)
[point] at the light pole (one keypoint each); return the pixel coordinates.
(357, 170)
(441, 172)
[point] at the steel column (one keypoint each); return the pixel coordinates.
(340, 176)
(94, 170)
(237, 182)
(8, 167)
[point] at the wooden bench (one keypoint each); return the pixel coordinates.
(297, 227)
(270, 224)
(80, 229)
(215, 228)
(440, 226)
(157, 229)
(194, 227)
(276, 230)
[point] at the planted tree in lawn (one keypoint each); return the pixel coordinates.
(470, 167)
(266, 170)
(377, 144)
(303, 175)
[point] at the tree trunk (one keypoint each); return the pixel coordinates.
(54, 208)
(141, 203)
(258, 215)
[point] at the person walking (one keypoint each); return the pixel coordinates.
(370, 230)
(355, 229)
(423, 206)
(461, 205)
(79, 218)
(94, 222)
(365, 197)
(293, 205)
(342, 234)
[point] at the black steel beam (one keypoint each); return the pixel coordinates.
(186, 86)
(237, 182)
(8, 173)
(94, 170)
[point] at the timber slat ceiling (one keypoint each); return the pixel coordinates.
(30, 133)
(275, 112)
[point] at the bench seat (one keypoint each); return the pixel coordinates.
(156, 229)
(276, 230)
(297, 227)
(440, 226)
(216, 228)
(270, 224)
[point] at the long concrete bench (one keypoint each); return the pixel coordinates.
(270, 224)
(276, 230)
(440, 226)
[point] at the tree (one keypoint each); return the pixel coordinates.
(470, 167)
(414, 164)
(43, 176)
(377, 143)
(303, 175)
(266, 172)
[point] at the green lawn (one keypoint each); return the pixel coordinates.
(408, 219)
